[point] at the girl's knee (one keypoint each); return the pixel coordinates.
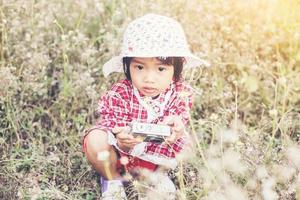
(96, 141)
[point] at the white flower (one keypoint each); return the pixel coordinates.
(267, 189)
(298, 180)
(216, 196)
(283, 173)
(273, 112)
(252, 184)
(161, 187)
(261, 172)
(232, 162)
(282, 80)
(293, 153)
(214, 150)
(213, 116)
(53, 157)
(234, 192)
(206, 177)
(224, 179)
(124, 160)
(215, 165)
(228, 136)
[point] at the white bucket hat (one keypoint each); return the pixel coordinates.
(153, 35)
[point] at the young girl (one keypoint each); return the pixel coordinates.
(154, 52)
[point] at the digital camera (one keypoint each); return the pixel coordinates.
(150, 132)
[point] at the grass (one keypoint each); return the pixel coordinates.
(246, 114)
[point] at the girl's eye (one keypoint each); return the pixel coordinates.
(139, 67)
(161, 69)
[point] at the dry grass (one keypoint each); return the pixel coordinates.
(246, 115)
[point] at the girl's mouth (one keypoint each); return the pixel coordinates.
(148, 90)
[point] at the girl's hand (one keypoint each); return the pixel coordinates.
(126, 141)
(177, 128)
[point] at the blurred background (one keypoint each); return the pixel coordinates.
(245, 119)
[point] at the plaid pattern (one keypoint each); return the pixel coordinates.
(119, 106)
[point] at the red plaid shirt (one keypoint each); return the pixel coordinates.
(119, 106)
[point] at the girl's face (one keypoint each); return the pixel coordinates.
(150, 76)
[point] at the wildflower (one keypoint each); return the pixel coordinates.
(283, 173)
(53, 157)
(254, 67)
(261, 172)
(228, 136)
(180, 157)
(185, 154)
(216, 195)
(224, 179)
(298, 180)
(273, 112)
(251, 83)
(232, 162)
(215, 165)
(163, 187)
(214, 150)
(267, 189)
(234, 192)
(282, 80)
(192, 174)
(127, 177)
(135, 183)
(293, 155)
(2, 141)
(8, 82)
(99, 7)
(213, 116)
(252, 184)
(124, 160)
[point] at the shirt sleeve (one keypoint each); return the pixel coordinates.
(180, 106)
(113, 109)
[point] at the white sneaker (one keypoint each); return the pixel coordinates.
(112, 190)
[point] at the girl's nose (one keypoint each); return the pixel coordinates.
(149, 77)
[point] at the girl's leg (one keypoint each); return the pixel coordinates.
(96, 142)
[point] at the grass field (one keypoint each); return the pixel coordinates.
(245, 120)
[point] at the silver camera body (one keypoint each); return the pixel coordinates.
(150, 132)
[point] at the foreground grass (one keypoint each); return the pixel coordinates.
(246, 115)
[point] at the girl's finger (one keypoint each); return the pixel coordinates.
(178, 128)
(125, 142)
(117, 130)
(169, 120)
(130, 140)
(123, 136)
(128, 143)
(178, 122)
(171, 139)
(127, 129)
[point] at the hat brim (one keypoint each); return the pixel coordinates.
(115, 64)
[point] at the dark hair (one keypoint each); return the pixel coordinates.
(177, 62)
